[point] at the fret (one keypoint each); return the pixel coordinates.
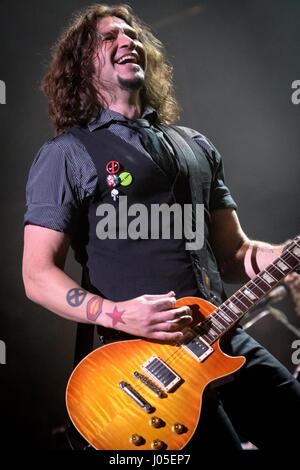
(216, 324)
(207, 327)
(283, 267)
(201, 334)
(263, 284)
(202, 328)
(212, 330)
(277, 274)
(292, 261)
(240, 303)
(256, 289)
(246, 301)
(211, 335)
(208, 338)
(227, 317)
(233, 308)
(220, 318)
(294, 255)
(250, 295)
(219, 324)
(296, 251)
(207, 333)
(232, 315)
(268, 278)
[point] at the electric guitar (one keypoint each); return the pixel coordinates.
(146, 395)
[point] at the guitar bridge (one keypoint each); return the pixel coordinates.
(149, 384)
(137, 397)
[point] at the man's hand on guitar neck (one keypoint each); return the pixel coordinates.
(239, 258)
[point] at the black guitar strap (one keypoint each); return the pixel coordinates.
(196, 162)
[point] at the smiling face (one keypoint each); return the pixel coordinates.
(120, 59)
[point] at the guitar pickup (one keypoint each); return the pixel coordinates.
(161, 373)
(196, 346)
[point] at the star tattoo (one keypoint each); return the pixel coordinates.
(116, 316)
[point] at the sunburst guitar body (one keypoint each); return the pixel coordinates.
(144, 395)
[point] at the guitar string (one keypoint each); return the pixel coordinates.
(180, 352)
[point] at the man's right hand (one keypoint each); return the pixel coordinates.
(150, 316)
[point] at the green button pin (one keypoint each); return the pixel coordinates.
(125, 178)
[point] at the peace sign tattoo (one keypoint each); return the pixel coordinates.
(76, 296)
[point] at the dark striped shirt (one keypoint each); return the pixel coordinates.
(63, 175)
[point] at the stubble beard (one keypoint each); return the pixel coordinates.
(132, 84)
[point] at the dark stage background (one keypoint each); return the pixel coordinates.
(234, 63)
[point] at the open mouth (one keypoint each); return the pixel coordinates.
(128, 59)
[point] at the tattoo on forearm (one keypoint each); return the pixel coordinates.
(76, 296)
(94, 308)
(116, 316)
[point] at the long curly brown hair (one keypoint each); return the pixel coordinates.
(73, 98)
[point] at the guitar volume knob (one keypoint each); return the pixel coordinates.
(157, 444)
(156, 422)
(136, 440)
(179, 428)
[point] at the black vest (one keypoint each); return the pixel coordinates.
(120, 269)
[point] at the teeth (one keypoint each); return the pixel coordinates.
(127, 57)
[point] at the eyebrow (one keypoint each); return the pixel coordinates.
(125, 29)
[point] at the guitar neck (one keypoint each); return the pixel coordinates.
(236, 306)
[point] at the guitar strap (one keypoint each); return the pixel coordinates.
(188, 153)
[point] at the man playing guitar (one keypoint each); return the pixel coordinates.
(111, 101)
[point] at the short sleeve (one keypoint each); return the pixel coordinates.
(52, 199)
(220, 195)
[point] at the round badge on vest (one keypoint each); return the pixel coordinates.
(115, 194)
(113, 167)
(125, 178)
(113, 180)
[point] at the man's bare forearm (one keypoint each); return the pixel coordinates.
(252, 257)
(239, 258)
(152, 316)
(57, 292)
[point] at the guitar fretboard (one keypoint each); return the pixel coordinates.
(236, 306)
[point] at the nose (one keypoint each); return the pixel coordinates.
(131, 44)
(126, 41)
